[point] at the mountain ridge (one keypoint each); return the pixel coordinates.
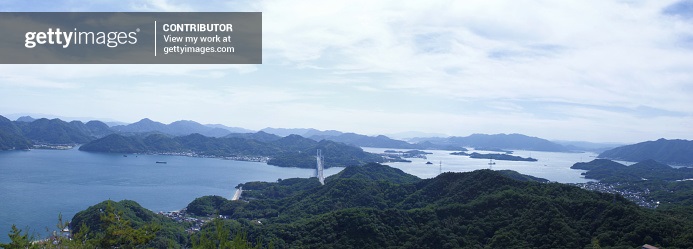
(675, 151)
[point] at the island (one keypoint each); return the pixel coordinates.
(495, 156)
(407, 154)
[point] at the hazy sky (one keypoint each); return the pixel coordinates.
(591, 70)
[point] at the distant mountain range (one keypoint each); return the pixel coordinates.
(304, 132)
(675, 152)
(259, 136)
(178, 128)
(502, 141)
(15, 134)
(28, 117)
(230, 129)
(587, 146)
(412, 134)
(367, 141)
(51, 131)
(27, 131)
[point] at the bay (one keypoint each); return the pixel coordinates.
(37, 185)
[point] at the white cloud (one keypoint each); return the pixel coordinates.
(161, 5)
(351, 64)
(567, 50)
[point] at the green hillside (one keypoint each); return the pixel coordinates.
(11, 136)
(674, 152)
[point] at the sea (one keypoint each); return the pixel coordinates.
(553, 166)
(37, 185)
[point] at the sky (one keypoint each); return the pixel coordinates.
(582, 70)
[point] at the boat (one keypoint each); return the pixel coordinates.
(162, 162)
(429, 162)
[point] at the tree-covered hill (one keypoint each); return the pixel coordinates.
(494, 156)
(177, 128)
(674, 152)
(375, 172)
(55, 131)
(480, 209)
(521, 177)
(598, 164)
(259, 136)
(98, 129)
(131, 221)
(11, 136)
(115, 143)
(23, 134)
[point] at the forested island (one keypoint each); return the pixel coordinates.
(407, 154)
(375, 206)
(494, 156)
(290, 151)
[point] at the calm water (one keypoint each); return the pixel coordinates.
(554, 166)
(37, 185)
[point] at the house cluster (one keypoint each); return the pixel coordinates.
(183, 216)
(636, 196)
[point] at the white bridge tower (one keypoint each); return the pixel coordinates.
(320, 168)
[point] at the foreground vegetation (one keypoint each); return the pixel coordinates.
(375, 206)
